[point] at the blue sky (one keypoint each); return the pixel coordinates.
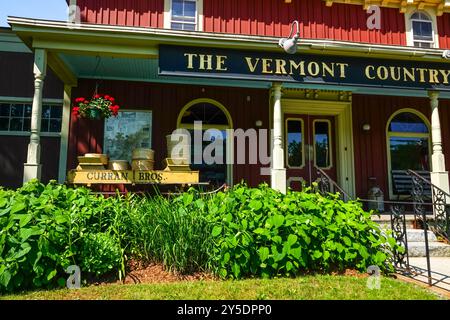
(43, 9)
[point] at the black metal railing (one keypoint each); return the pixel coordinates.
(427, 205)
(440, 207)
(328, 185)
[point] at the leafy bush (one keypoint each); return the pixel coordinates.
(41, 232)
(262, 232)
(242, 232)
(100, 254)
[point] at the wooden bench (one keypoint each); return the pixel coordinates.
(402, 183)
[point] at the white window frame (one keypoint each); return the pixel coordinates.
(409, 27)
(168, 15)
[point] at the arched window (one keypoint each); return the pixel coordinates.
(422, 29)
(215, 120)
(409, 142)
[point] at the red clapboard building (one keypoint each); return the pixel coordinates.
(362, 93)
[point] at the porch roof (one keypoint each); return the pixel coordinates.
(131, 53)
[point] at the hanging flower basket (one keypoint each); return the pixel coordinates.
(99, 107)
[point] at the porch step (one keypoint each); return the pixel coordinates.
(385, 221)
(418, 235)
(437, 249)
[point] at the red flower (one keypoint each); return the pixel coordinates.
(78, 100)
(75, 111)
(97, 96)
(86, 102)
(107, 97)
(111, 99)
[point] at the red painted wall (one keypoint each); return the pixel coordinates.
(17, 79)
(258, 17)
(135, 13)
(317, 21)
(166, 101)
(444, 30)
(370, 148)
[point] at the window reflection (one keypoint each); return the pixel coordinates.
(322, 144)
(295, 143)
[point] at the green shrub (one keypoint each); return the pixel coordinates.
(41, 232)
(100, 254)
(261, 232)
(242, 232)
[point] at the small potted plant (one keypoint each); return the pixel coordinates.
(99, 107)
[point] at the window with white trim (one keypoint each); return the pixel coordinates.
(422, 30)
(184, 15)
(16, 117)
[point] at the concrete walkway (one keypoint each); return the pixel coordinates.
(440, 268)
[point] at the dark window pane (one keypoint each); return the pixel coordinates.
(4, 124)
(177, 7)
(322, 144)
(16, 124)
(177, 26)
(44, 125)
(189, 27)
(27, 124)
(46, 112)
(295, 143)
(4, 109)
(17, 110)
(56, 112)
(206, 113)
(408, 122)
(55, 125)
(409, 153)
(189, 8)
(28, 109)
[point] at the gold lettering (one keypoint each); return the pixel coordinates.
(190, 57)
(295, 66)
(382, 73)
(328, 69)
(446, 75)
(409, 74)
(368, 74)
(280, 66)
(266, 66)
(343, 67)
(312, 72)
(422, 74)
(395, 76)
(434, 76)
(206, 62)
(252, 67)
(221, 63)
(90, 176)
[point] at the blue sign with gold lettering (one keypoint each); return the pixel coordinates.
(302, 68)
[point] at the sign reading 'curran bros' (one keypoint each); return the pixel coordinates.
(313, 69)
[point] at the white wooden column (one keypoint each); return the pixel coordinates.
(32, 169)
(65, 134)
(439, 175)
(278, 176)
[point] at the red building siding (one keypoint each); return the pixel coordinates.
(317, 21)
(166, 101)
(17, 79)
(258, 17)
(444, 30)
(134, 13)
(370, 147)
